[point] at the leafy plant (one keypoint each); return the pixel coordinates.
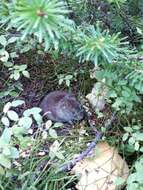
(15, 130)
(8, 53)
(135, 76)
(5, 7)
(97, 46)
(11, 89)
(134, 137)
(4, 55)
(66, 78)
(118, 2)
(101, 32)
(135, 180)
(45, 19)
(7, 58)
(17, 70)
(120, 93)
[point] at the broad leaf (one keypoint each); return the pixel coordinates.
(25, 122)
(6, 136)
(16, 103)
(7, 107)
(5, 121)
(4, 161)
(3, 40)
(14, 152)
(53, 133)
(12, 115)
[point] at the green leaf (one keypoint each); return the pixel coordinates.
(25, 122)
(112, 94)
(44, 134)
(12, 40)
(141, 149)
(139, 165)
(8, 64)
(61, 81)
(55, 146)
(3, 40)
(26, 74)
(55, 151)
(16, 103)
(137, 146)
(139, 30)
(32, 111)
(14, 55)
(25, 174)
(4, 55)
(16, 75)
(53, 133)
(12, 115)
(7, 107)
(68, 83)
(132, 140)
(14, 153)
(38, 118)
(58, 125)
(6, 151)
(125, 136)
(6, 136)
(59, 155)
(22, 67)
(126, 94)
(27, 113)
(128, 129)
(5, 161)
(13, 93)
(2, 171)
(5, 121)
(18, 131)
(130, 148)
(68, 77)
(48, 124)
(36, 110)
(119, 181)
(133, 186)
(138, 136)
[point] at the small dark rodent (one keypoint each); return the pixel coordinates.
(61, 106)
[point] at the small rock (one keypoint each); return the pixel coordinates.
(97, 96)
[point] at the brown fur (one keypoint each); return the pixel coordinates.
(61, 106)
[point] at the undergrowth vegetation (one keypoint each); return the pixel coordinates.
(47, 45)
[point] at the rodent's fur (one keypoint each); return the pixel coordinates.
(61, 106)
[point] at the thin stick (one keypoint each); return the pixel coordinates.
(68, 166)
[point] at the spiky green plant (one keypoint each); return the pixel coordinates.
(117, 2)
(46, 19)
(94, 45)
(4, 12)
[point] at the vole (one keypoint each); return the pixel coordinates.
(61, 106)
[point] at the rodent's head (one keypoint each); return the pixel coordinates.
(63, 107)
(75, 108)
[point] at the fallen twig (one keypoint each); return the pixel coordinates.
(68, 166)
